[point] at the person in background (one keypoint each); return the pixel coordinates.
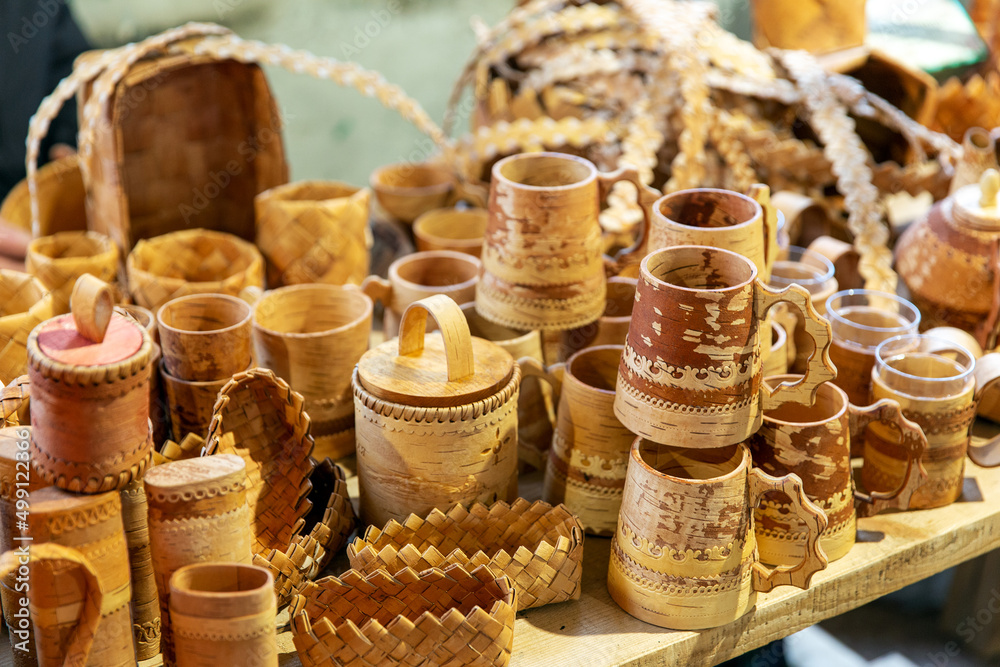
(40, 40)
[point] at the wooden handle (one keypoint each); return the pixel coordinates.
(92, 305)
(553, 375)
(987, 373)
(82, 638)
(377, 289)
(13, 398)
(766, 579)
(761, 194)
(887, 411)
(454, 329)
(819, 368)
(646, 197)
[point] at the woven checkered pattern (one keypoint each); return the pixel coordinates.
(259, 418)
(452, 618)
(188, 448)
(538, 546)
(24, 303)
(314, 232)
(16, 399)
(191, 261)
(58, 260)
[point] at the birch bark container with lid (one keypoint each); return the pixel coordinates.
(89, 374)
(436, 418)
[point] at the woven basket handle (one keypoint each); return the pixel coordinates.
(366, 82)
(766, 579)
(77, 648)
(887, 411)
(454, 329)
(117, 61)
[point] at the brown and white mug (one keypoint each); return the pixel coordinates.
(814, 442)
(938, 385)
(586, 464)
(543, 255)
(691, 372)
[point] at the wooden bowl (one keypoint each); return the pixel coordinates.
(455, 229)
(407, 190)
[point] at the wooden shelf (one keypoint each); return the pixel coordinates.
(894, 550)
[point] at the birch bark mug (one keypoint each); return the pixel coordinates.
(543, 257)
(938, 384)
(814, 442)
(700, 569)
(709, 217)
(536, 410)
(418, 276)
(691, 371)
(589, 455)
(311, 336)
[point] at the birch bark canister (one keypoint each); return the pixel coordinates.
(90, 404)
(436, 418)
(198, 512)
(70, 611)
(15, 480)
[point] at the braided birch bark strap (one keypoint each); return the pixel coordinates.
(849, 159)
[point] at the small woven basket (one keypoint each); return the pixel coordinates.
(191, 261)
(58, 260)
(449, 617)
(24, 303)
(301, 516)
(314, 232)
(540, 547)
(62, 204)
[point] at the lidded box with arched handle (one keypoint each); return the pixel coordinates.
(436, 417)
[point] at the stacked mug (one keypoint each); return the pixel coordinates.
(204, 339)
(690, 386)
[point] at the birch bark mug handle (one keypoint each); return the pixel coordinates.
(553, 375)
(987, 373)
(78, 644)
(454, 330)
(819, 368)
(766, 579)
(887, 411)
(645, 197)
(378, 289)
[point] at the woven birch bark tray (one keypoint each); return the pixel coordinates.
(540, 547)
(437, 617)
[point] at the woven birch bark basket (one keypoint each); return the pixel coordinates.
(191, 261)
(437, 617)
(314, 232)
(58, 260)
(24, 304)
(540, 547)
(297, 527)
